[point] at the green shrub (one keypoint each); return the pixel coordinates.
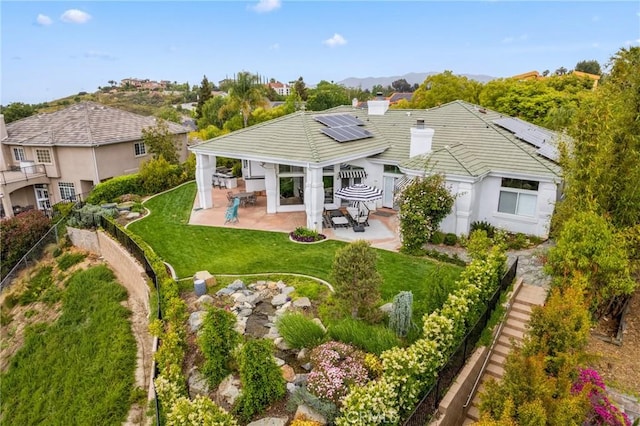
(201, 411)
(87, 216)
(110, 190)
(327, 409)
(370, 338)
(18, 234)
(262, 381)
(437, 237)
(450, 239)
(483, 225)
(57, 252)
(400, 319)
(63, 209)
(299, 331)
(67, 260)
(158, 175)
(217, 340)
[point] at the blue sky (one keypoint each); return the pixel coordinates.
(54, 49)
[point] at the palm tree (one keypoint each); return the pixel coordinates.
(245, 94)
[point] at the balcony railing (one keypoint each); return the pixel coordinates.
(19, 174)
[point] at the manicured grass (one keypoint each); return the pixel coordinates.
(192, 248)
(80, 369)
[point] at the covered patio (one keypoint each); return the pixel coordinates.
(382, 231)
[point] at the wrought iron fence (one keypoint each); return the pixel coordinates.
(428, 405)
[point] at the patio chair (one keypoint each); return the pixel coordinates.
(215, 181)
(232, 212)
(231, 197)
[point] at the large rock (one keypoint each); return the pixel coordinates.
(241, 324)
(287, 373)
(302, 302)
(132, 215)
(279, 299)
(237, 285)
(197, 383)
(238, 297)
(309, 413)
(279, 361)
(225, 291)
(270, 421)
(196, 319)
(304, 353)
(208, 279)
(386, 308)
(317, 321)
(281, 344)
(229, 389)
(287, 290)
(204, 302)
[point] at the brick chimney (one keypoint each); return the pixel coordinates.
(421, 139)
(378, 106)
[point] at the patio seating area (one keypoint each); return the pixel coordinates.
(381, 232)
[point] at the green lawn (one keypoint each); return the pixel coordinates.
(192, 248)
(80, 369)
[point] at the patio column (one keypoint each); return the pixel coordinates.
(205, 167)
(314, 198)
(6, 204)
(463, 205)
(271, 186)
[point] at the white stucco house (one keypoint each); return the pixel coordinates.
(502, 170)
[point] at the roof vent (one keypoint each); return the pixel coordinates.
(482, 111)
(420, 124)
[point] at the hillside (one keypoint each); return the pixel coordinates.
(412, 78)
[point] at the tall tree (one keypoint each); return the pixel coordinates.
(301, 88)
(159, 141)
(601, 164)
(327, 95)
(17, 110)
(401, 85)
(204, 94)
(446, 87)
(591, 67)
(245, 94)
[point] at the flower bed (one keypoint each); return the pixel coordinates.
(304, 235)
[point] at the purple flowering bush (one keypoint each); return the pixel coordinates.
(304, 235)
(336, 366)
(603, 412)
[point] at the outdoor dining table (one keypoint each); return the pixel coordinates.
(245, 198)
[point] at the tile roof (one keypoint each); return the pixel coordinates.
(466, 142)
(82, 124)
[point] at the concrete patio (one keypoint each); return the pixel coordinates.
(382, 231)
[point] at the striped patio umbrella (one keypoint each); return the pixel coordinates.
(359, 192)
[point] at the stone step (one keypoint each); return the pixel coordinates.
(468, 421)
(497, 359)
(521, 307)
(512, 332)
(519, 316)
(494, 370)
(516, 324)
(531, 294)
(502, 349)
(473, 413)
(507, 341)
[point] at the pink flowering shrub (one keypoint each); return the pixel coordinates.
(603, 412)
(336, 366)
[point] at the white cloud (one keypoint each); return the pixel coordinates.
(265, 6)
(336, 40)
(274, 46)
(511, 39)
(97, 54)
(43, 20)
(75, 16)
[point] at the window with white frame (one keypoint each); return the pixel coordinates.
(43, 156)
(18, 154)
(67, 191)
(518, 197)
(140, 149)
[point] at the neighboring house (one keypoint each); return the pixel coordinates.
(502, 170)
(281, 89)
(398, 96)
(47, 158)
(535, 75)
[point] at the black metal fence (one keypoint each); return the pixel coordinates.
(428, 405)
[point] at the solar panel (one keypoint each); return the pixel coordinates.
(536, 136)
(338, 120)
(347, 133)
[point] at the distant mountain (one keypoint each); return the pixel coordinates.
(412, 78)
